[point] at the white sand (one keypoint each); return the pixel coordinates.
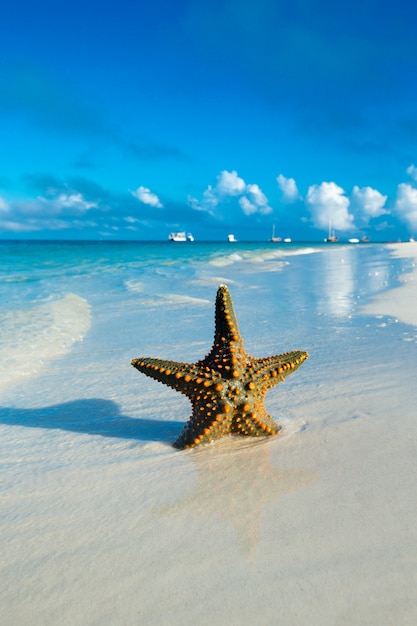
(314, 527)
(401, 302)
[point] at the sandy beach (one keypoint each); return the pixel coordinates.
(103, 522)
(401, 303)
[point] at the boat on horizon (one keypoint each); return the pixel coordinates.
(331, 237)
(363, 239)
(231, 238)
(180, 235)
(275, 239)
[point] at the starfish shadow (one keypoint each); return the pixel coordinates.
(94, 416)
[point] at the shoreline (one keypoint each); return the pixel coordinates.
(398, 302)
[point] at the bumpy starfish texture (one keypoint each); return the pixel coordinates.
(227, 388)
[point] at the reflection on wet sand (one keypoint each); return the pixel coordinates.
(338, 283)
(235, 480)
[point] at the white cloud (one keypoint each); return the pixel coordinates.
(329, 206)
(38, 223)
(74, 200)
(406, 204)
(17, 227)
(370, 202)
(251, 198)
(210, 197)
(230, 184)
(289, 188)
(145, 195)
(46, 213)
(412, 171)
(254, 201)
(248, 207)
(208, 203)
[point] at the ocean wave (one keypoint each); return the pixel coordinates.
(274, 260)
(34, 335)
(223, 261)
(134, 285)
(207, 281)
(174, 300)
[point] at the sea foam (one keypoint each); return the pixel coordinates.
(272, 259)
(173, 300)
(34, 335)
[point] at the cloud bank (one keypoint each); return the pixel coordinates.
(229, 186)
(54, 212)
(86, 208)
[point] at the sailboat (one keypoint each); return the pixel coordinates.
(331, 237)
(273, 238)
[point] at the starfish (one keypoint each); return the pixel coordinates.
(227, 387)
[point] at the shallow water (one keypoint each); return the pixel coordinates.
(158, 297)
(74, 315)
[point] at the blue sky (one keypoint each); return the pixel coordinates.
(129, 119)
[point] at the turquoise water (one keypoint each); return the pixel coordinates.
(160, 295)
(36, 271)
(61, 300)
(73, 315)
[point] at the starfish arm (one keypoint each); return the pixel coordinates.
(270, 371)
(255, 422)
(174, 374)
(189, 379)
(204, 426)
(227, 354)
(226, 326)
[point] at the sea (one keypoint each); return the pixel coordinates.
(102, 520)
(74, 314)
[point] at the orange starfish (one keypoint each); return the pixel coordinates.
(227, 388)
